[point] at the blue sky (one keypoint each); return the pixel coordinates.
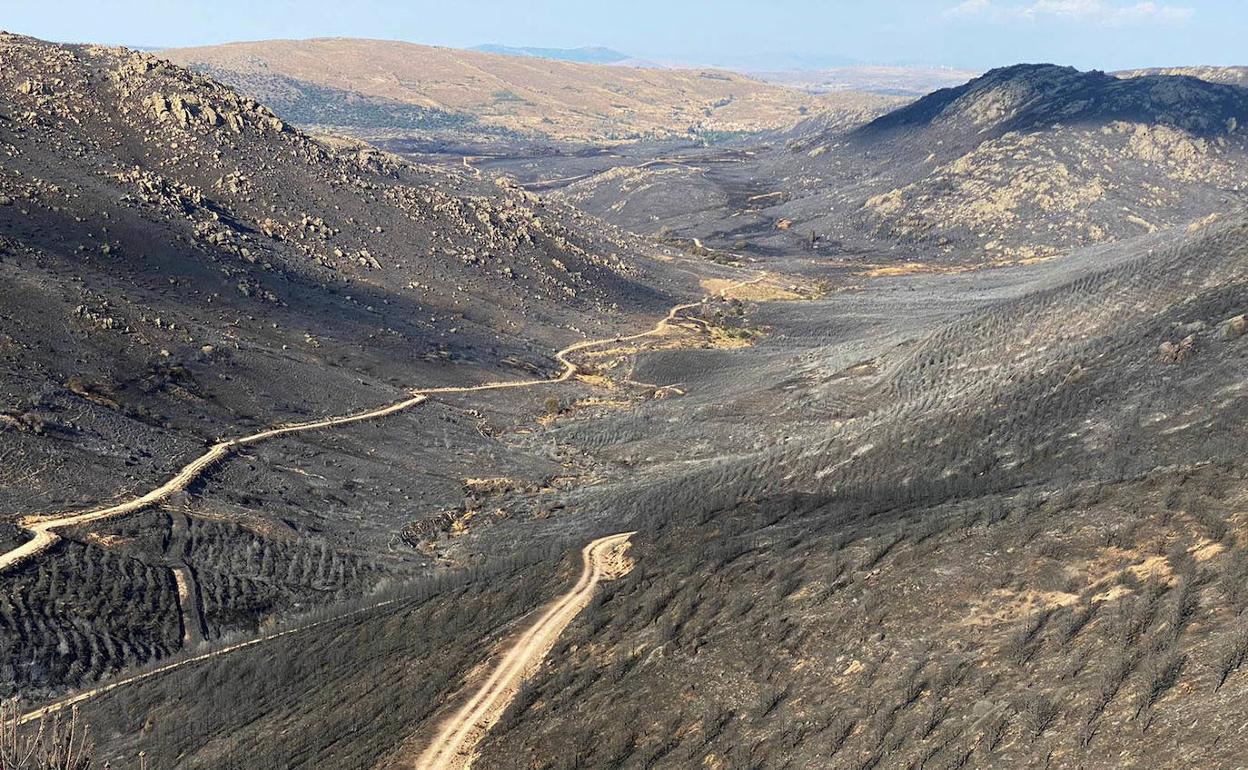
(1103, 34)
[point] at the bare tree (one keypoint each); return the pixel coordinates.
(47, 745)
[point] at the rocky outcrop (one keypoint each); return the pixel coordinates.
(1035, 96)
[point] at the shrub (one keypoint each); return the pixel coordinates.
(1074, 621)
(1162, 673)
(993, 732)
(1038, 714)
(1021, 644)
(1233, 654)
(1111, 681)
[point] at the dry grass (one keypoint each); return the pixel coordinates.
(767, 290)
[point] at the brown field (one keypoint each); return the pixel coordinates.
(562, 100)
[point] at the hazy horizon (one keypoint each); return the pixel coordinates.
(789, 34)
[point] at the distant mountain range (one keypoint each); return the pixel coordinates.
(742, 62)
(814, 73)
(583, 54)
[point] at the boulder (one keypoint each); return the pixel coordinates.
(1177, 352)
(1233, 328)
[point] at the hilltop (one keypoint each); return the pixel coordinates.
(1027, 97)
(1034, 160)
(584, 54)
(1023, 162)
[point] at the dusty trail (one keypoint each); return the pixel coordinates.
(455, 745)
(85, 695)
(43, 527)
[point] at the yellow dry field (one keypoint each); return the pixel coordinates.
(763, 291)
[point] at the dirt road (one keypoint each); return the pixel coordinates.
(455, 745)
(43, 527)
(613, 564)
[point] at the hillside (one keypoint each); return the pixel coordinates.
(1033, 160)
(373, 86)
(904, 435)
(1026, 97)
(975, 520)
(179, 265)
(1024, 162)
(1012, 539)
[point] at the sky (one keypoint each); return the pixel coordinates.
(751, 34)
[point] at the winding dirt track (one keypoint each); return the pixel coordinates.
(43, 527)
(456, 742)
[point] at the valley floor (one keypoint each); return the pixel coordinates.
(705, 432)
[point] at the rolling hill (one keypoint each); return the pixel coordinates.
(927, 441)
(1009, 531)
(371, 86)
(977, 519)
(1033, 160)
(1023, 162)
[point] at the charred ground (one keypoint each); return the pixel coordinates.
(1022, 163)
(892, 511)
(181, 266)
